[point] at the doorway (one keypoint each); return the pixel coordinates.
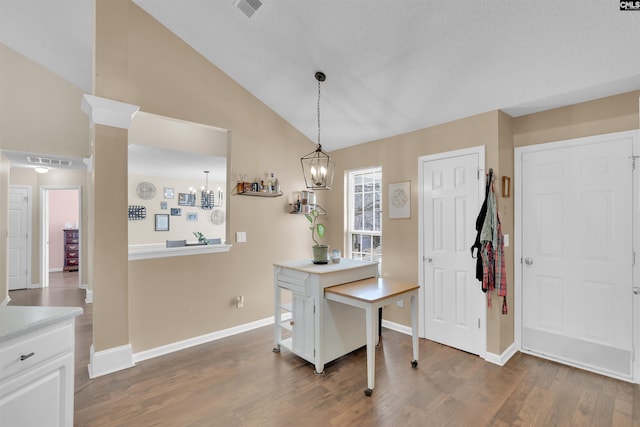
(60, 216)
(575, 222)
(452, 305)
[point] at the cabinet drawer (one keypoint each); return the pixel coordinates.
(292, 286)
(72, 261)
(72, 254)
(72, 247)
(44, 344)
(72, 240)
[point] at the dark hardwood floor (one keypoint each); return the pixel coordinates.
(238, 381)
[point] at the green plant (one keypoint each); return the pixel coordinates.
(315, 227)
(201, 237)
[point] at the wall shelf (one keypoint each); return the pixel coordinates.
(260, 194)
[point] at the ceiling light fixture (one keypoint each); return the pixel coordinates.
(41, 170)
(206, 195)
(317, 166)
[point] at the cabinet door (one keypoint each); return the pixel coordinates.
(302, 333)
(40, 397)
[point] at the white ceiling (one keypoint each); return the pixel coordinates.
(391, 66)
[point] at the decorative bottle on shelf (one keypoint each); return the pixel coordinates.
(270, 183)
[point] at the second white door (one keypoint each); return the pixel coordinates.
(453, 299)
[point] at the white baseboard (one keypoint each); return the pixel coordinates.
(501, 359)
(181, 345)
(6, 300)
(109, 361)
(55, 270)
(88, 297)
(397, 327)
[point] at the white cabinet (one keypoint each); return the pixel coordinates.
(37, 374)
(306, 323)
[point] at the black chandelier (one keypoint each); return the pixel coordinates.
(317, 166)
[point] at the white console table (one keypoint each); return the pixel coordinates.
(314, 326)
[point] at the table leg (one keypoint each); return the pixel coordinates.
(277, 333)
(371, 321)
(414, 330)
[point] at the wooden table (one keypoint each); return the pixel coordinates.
(370, 295)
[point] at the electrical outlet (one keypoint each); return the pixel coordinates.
(239, 302)
(400, 303)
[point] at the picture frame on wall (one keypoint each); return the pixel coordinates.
(192, 216)
(186, 199)
(400, 200)
(168, 193)
(176, 212)
(163, 205)
(162, 222)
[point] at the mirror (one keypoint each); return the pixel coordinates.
(171, 163)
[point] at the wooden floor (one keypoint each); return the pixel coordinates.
(238, 381)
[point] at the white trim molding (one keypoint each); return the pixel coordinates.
(6, 301)
(501, 359)
(202, 339)
(103, 111)
(110, 360)
(159, 250)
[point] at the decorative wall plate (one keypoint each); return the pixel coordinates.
(217, 217)
(146, 190)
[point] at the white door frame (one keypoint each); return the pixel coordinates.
(480, 151)
(29, 230)
(517, 232)
(44, 230)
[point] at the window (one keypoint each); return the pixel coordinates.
(364, 229)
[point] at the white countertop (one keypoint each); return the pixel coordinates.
(19, 320)
(307, 265)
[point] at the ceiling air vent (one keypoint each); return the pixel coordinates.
(248, 7)
(47, 161)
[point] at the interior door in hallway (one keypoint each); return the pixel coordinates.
(453, 300)
(577, 254)
(18, 238)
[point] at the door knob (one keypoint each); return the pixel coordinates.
(528, 261)
(636, 290)
(428, 259)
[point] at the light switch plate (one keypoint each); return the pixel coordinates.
(241, 236)
(506, 240)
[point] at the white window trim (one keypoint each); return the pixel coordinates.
(350, 208)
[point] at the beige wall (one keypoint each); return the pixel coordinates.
(39, 112)
(143, 231)
(499, 133)
(612, 114)
(140, 62)
(156, 302)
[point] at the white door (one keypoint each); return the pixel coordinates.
(577, 253)
(18, 240)
(453, 302)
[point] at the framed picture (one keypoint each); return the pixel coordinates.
(186, 199)
(400, 200)
(176, 212)
(163, 205)
(168, 193)
(192, 216)
(162, 222)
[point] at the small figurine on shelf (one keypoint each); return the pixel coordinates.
(201, 239)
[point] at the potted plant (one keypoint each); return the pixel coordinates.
(320, 252)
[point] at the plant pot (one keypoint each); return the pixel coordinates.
(320, 254)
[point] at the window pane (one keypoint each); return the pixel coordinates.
(364, 193)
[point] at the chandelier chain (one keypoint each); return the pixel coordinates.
(318, 112)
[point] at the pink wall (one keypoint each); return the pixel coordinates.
(63, 209)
